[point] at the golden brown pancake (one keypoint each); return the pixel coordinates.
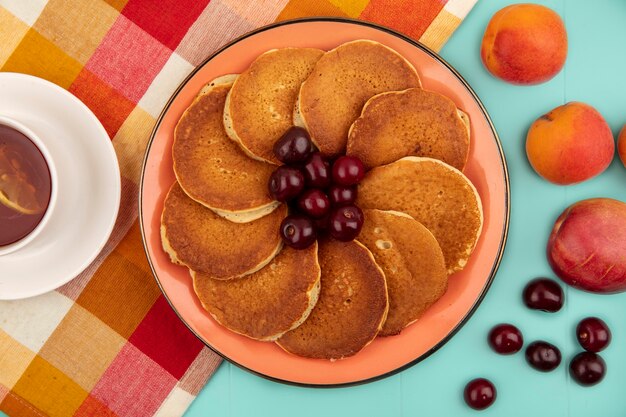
(196, 237)
(340, 84)
(260, 105)
(266, 304)
(352, 305)
(416, 122)
(412, 261)
(435, 194)
(212, 169)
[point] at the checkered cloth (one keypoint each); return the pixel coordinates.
(107, 343)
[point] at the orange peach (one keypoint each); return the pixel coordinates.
(524, 44)
(587, 245)
(621, 145)
(570, 144)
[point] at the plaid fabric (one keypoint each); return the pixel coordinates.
(107, 343)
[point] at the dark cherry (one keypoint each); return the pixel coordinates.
(341, 195)
(317, 171)
(345, 223)
(593, 334)
(314, 203)
(506, 339)
(479, 393)
(348, 170)
(587, 368)
(543, 294)
(298, 231)
(286, 183)
(294, 146)
(543, 356)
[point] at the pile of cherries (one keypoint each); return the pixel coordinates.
(587, 367)
(320, 192)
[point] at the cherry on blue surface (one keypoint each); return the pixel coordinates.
(479, 393)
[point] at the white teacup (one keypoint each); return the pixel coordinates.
(7, 121)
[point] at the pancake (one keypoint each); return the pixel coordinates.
(352, 305)
(416, 122)
(213, 170)
(266, 304)
(198, 238)
(342, 81)
(435, 194)
(412, 261)
(260, 105)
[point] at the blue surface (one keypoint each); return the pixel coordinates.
(594, 73)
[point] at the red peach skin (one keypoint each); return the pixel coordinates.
(587, 246)
(524, 44)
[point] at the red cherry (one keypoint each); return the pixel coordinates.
(294, 146)
(543, 356)
(314, 203)
(285, 183)
(348, 170)
(317, 171)
(479, 393)
(587, 368)
(345, 223)
(593, 334)
(506, 339)
(341, 195)
(543, 294)
(298, 231)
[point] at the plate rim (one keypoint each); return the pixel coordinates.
(503, 161)
(89, 114)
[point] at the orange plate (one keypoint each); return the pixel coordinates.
(486, 168)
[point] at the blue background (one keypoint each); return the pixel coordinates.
(595, 73)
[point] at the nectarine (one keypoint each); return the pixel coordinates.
(570, 144)
(524, 44)
(587, 246)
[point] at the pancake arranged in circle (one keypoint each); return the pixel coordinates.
(333, 96)
(267, 303)
(415, 122)
(206, 243)
(211, 168)
(352, 305)
(434, 193)
(259, 108)
(412, 261)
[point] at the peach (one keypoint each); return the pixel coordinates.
(621, 145)
(570, 144)
(524, 44)
(587, 246)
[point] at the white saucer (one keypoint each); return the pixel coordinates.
(89, 187)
